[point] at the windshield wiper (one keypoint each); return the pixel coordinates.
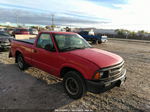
(72, 48)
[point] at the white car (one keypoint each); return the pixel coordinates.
(33, 31)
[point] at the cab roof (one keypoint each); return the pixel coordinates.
(57, 32)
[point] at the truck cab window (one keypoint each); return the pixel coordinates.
(45, 42)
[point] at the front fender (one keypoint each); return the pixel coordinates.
(86, 71)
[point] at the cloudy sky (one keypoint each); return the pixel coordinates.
(110, 14)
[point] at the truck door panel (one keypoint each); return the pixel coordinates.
(45, 55)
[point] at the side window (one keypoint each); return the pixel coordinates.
(45, 42)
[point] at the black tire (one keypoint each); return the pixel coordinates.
(99, 42)
(95, 42)
(74, 85)
(1, 49)
(21, 63)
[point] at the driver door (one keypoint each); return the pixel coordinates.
(44, 54)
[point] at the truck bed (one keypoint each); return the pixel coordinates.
(29, 41)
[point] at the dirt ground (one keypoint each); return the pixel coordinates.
(34, 89)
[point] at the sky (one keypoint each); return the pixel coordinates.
(105, 14)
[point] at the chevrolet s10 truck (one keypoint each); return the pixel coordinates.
(69, 56)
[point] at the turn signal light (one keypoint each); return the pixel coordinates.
(97, 76)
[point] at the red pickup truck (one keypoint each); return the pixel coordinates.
(67, 55)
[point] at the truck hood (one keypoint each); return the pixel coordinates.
(99, 57)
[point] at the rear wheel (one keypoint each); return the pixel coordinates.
(99, 42)
(21, 63)
(95, 42)
(74, 85)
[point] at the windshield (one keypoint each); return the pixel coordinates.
(66, 42)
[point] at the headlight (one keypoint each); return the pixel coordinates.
(97, 75)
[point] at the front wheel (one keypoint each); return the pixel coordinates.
(74, 85)
(21, 63)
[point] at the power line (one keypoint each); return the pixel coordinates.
(16, 19)
(52, 19)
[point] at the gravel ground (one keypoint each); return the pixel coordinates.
(35, 89)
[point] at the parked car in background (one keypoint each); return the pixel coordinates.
(21, 31)
(96, 39)
(2, 29)
(10, 31)
(5, 40)
(104, 38)
(33, 31)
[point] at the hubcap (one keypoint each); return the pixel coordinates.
(72, 86)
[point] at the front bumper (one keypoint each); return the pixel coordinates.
(104, 85)
(104, 40)
(4, 45)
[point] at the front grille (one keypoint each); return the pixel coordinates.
(113, 70)
(116, 70)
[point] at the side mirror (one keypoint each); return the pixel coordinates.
(48, 47)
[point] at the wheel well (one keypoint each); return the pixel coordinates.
(16, 55)
(67, 69)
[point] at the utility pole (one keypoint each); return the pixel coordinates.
(52, 21)
(17, 19)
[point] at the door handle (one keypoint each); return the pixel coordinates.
(34, 51)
